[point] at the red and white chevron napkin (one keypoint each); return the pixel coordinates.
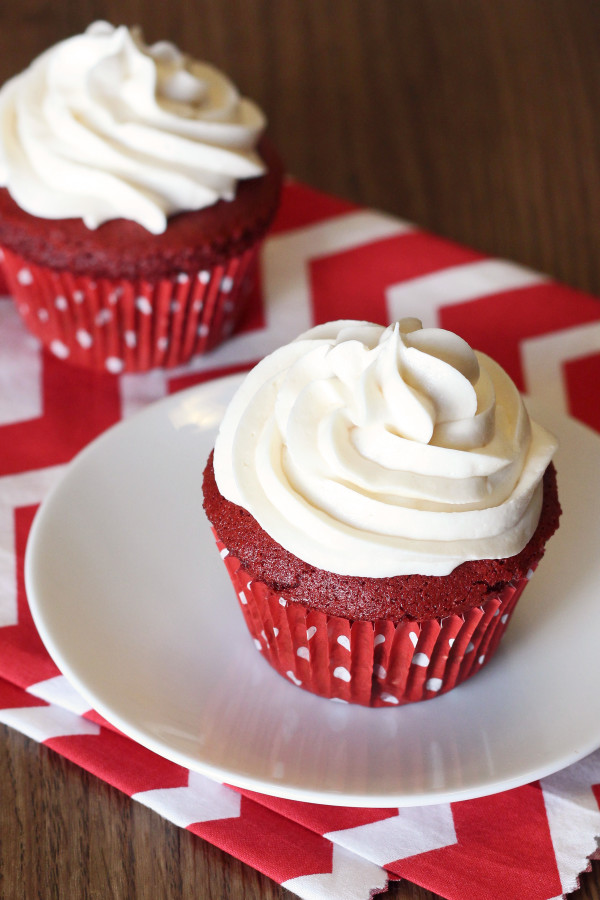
(324, 260)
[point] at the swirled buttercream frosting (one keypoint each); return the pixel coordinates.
(102, 126)
(376, 452)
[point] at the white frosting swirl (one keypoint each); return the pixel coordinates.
(102, 126)
(377, 451)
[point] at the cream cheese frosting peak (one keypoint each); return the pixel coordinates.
(102, 126)
(376, 451)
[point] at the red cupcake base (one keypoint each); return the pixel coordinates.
(119, 326)
(379, 663)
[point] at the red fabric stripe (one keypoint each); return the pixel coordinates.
(119, 761)
(498, 324)
(493, 834)
(582, 377)
(352, 284)
(319, 818)
(78, 405)
(24, 659)
(13, 697)
(279, 847)
(302, 206)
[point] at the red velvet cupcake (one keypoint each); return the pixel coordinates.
(380, 498)
(136, 188)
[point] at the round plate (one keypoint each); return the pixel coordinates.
(134, 604)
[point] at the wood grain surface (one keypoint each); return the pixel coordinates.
(477, 119)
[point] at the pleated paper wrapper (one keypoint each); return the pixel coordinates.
(121, 325)
(373, 663)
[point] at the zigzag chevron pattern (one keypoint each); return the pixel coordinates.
(350, 878)
(324, 260)
(201, 800)
(42, 723)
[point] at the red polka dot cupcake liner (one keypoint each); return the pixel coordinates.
(379, 663)
(113, 325)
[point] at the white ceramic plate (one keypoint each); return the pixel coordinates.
(134, 604)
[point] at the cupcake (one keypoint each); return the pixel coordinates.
(380, 498)
(135, 187)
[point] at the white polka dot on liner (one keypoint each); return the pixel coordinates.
(204, 277)
(59, 349)
(380, 671)
(389, 698)
(61, 303)
(310, 632)
(414, 638)
(293, 678)
(24, 277)
(84, 339)
(303, 652)
(342, 673)
(114, 364)
(130, 338)
(420, 659)
(433, 684)
(43, 315)
(378, 639)
(343, 641)
(144, 306)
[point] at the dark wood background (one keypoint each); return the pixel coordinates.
(477, 119)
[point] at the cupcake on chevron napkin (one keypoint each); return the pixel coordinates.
(135, 187)
(381, 498)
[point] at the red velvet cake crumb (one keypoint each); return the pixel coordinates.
(123, 249)
(412, 597)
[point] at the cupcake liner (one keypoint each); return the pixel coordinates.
(120, 325)
(378, 663)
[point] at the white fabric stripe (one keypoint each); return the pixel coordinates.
(423, 296)
(573, 817)
(17, 490)
(286, 294)
(351, 878)
(415, 829)
(61, 692)
(20, 395)
(543, 359)
(202, 800)
(40, 723)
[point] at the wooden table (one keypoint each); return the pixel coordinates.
(478, 120)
